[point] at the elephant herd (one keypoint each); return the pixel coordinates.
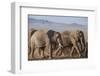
(50, 44)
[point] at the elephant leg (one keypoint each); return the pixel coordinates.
(32, 53)
(48, 47)
(59, 48)
(50, 52)
(77, 51)
(82, 49)
(42, 53)
(39, 51)
(82, 43)
(57, 51)
(79, 46)
(71, 51)
(32, 48)
(83, 46)
(29, 51)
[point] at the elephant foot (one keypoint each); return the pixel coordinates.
(50, 57)
(46, 57)
(79, 55)
(30, 57)
(71, 55)
(42, 57)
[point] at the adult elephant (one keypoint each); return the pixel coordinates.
(44, 39)
(78, 41)
(38, 41)
(74, 40)
(55, 41)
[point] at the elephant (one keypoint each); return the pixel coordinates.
(67, 44)
(39, 40)
(75, 40)
(42, 39)
(55, 41)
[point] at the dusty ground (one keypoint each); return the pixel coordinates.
(61, 54)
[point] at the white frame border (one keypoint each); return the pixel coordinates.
(16, 29)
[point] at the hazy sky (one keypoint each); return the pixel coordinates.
(63, 19)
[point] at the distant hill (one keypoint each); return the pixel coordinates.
(39, 24)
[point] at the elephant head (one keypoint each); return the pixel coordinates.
(58, 39)
(81, 39)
